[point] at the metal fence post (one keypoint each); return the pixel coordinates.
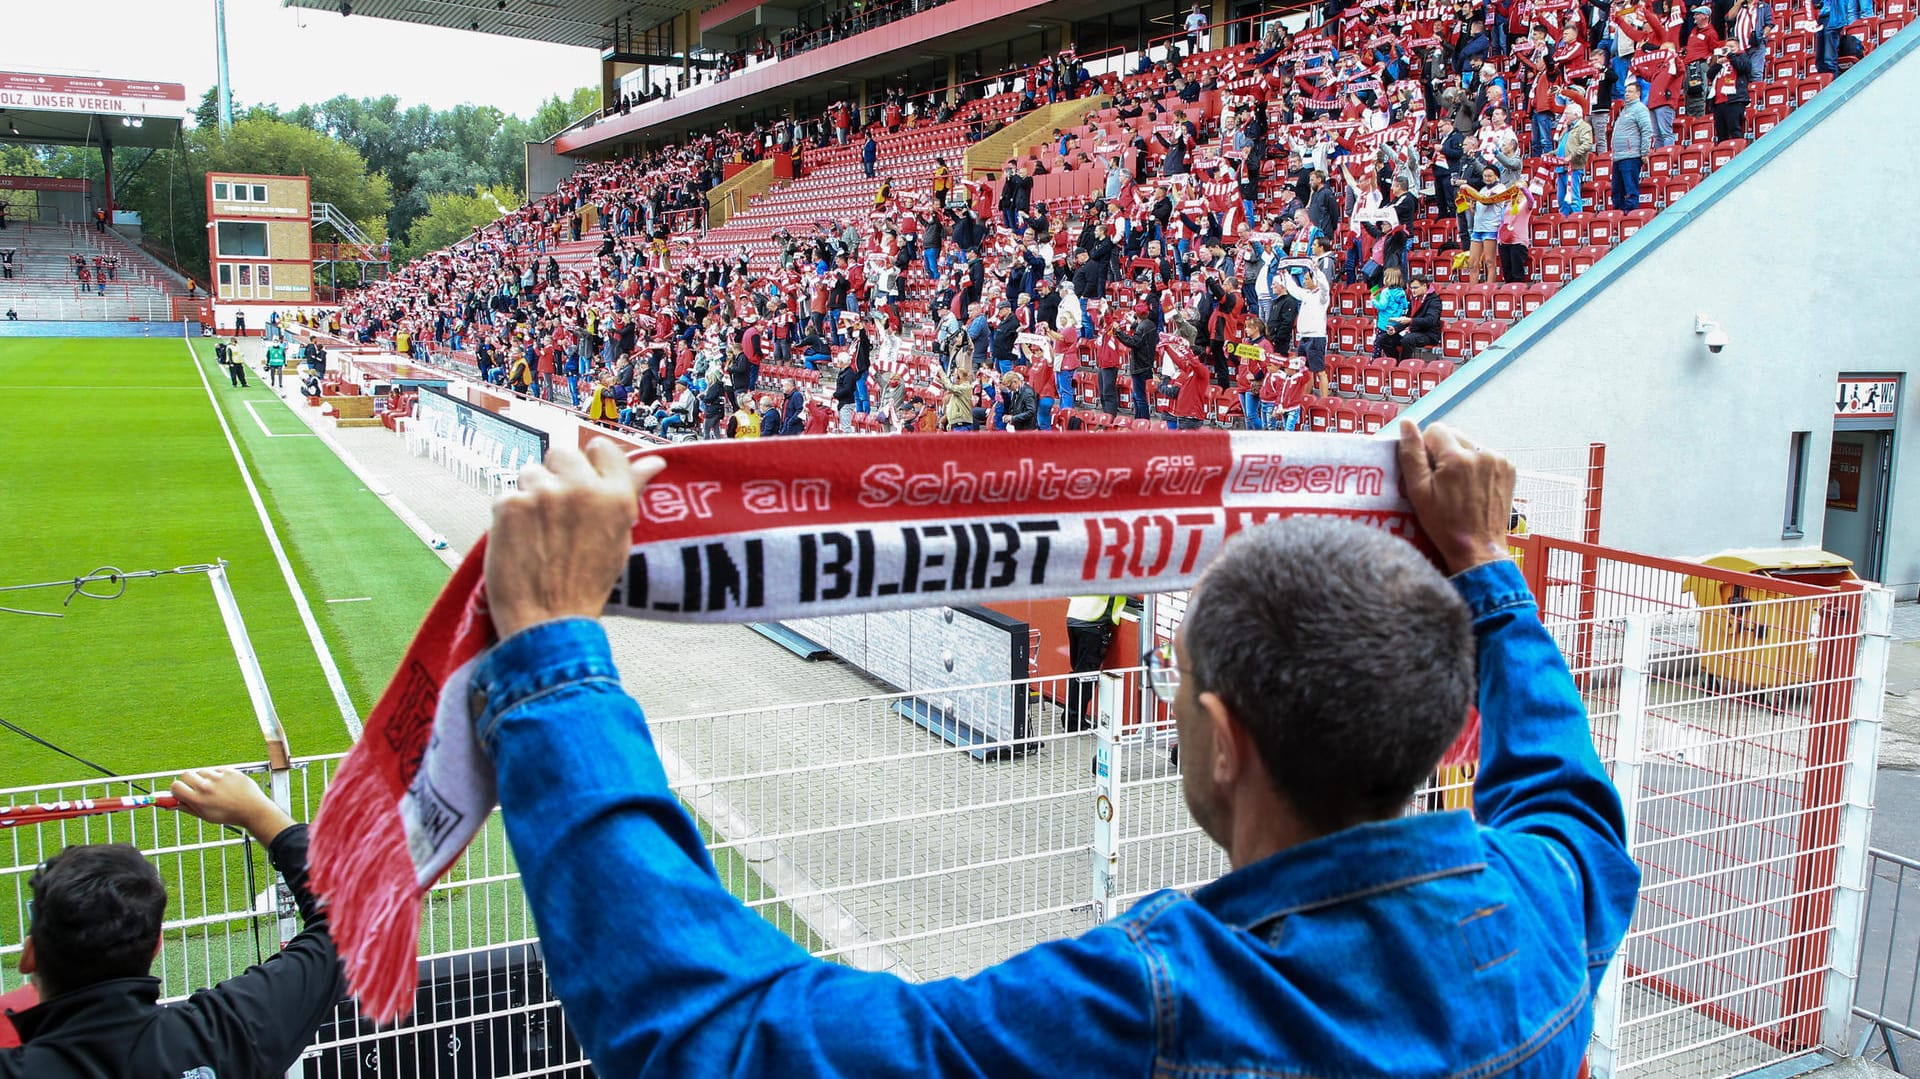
(1106, 790)
(1851, 879)
(1609, 1007)
(279, 761)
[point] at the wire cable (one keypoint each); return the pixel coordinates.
(115, 577)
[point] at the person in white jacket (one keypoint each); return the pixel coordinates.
(1310, 325)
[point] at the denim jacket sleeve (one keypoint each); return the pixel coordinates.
(663, 972)
(1539, 778)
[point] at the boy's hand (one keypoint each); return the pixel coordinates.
(228, 796)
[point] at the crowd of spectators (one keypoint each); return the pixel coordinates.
(1247, 185)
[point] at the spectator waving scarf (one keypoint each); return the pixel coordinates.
(731, 534)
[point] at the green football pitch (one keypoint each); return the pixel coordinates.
(116, 456)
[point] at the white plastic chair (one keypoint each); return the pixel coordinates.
(506, 474)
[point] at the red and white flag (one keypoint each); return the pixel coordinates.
(737, 531)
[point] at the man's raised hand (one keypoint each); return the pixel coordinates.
(1462, 495)
(560, 540)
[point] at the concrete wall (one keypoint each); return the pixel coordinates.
(1807, 251)
(545, 169)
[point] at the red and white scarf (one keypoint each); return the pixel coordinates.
(738, 531)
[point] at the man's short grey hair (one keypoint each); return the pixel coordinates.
(1345, 654)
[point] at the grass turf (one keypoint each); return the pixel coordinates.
(117, 458)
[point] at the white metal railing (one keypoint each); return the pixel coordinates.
(1887, 998)
(70, 305)
(877, 843)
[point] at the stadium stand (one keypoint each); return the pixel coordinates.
(1185, 178)
(121, 281)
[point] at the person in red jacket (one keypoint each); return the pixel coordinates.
(1194, 382)
(1702, 42)
(1040, 377)
(1282, 395)
(1109, 356)
(1658, 62)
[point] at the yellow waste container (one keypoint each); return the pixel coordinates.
(1757, 639)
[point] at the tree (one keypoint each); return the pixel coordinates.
(438, 171)
(507, 156)
(207, 114)
(556, 112)
(451, 216)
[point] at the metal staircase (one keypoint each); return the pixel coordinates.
(366, 249)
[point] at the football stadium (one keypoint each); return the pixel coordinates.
(1454, 460)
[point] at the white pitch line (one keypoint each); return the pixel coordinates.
(328, 667)
(94, 389)
(353, 599)
(263, 424)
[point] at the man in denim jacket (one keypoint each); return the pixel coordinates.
(1322, 670)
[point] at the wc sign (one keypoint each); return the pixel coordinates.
(1865, 397)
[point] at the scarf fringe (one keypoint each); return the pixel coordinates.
(372, 892)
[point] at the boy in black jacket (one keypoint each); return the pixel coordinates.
(96, 930)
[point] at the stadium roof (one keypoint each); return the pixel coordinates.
(40, 109)
(587, 23)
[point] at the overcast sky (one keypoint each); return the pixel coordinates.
(286, 56)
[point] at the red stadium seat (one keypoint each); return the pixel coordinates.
(1345, 374)
(1603, 229)
(1356, 335)
(1694, 159)
(1810, 86)
(1533, 299)
(1583, 259)
(1449, 299)
(1632, 222)
(1505, 305)
(1482, 335)
(1346, 416)
(1434, 373)
(1453, 339)
(1723, 152)
(1573, 231)
(1225, 408)
(1661, 162)
(1374, 375)
(1766, 120)
(1378, 414)
(1546, 229)
(1779, 94)
(1553, 267)
(1474, 301)
(1600, 167)
(1319, 413)
(1403, 382)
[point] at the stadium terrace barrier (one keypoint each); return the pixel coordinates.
(1742, 736)
(98, 329)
